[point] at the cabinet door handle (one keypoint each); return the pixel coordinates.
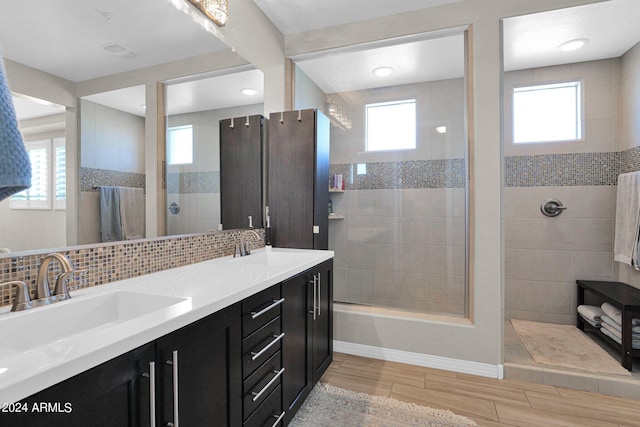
(319, 297)
(278, 419)
(257, 394)
(152, 393)
(276, 302)
(315, 296)
(257, 354)
(176, 412)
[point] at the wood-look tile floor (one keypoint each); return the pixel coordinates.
(487, 401)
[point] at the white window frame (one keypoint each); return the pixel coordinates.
(170, 147)
(577, 102)
(16, 202)
(394, 124)
(59, 204)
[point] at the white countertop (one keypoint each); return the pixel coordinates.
(205, 287)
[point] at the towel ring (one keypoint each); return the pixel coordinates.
(552, 207)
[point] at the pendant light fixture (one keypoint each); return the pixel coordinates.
(216, 10)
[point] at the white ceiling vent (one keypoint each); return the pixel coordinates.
(119, 50)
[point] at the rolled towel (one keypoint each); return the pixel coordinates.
(635, 330)
(591, 322)
(615, 314)
(591, 313)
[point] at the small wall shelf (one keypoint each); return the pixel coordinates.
(334, 216)
(335, 190)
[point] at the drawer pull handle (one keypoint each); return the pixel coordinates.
(257, 394)
(278, 419)
(276, 302)
(257, 354)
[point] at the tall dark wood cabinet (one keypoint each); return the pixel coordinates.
(242, 142)
(299, 179)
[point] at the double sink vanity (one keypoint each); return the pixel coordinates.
(226, 342)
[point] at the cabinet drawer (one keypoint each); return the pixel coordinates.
(261, 345)
(261, 383)
(260, 309)
(269, 414)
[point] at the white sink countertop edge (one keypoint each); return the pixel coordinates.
(207, 287)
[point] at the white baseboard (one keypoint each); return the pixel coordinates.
(419, 359)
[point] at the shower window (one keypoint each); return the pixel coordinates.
(549, 112)
(180, 145)
(391, 125)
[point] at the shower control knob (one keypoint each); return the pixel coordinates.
(552, 207)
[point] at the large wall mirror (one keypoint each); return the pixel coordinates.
(195, 107)
(90, 63)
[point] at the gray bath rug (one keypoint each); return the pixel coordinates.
(329, 406)
(565, 346)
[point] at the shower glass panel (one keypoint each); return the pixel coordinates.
(399, 143)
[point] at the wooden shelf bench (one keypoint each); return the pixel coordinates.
(624, 297)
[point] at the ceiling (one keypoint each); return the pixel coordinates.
(66, 38)
(529, 41)
(295, 16)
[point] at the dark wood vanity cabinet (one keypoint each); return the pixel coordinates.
(307, 321)
(250, 364)
(118, 393)
(299, 179)
(242, 142)
(199, 365)
(113, 394)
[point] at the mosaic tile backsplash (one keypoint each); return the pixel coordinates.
(122, 260)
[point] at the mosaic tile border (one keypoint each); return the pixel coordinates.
(193, 182)
(412, 174)
(577, 169)
(91, 177)
(122, 260)
(630, 160)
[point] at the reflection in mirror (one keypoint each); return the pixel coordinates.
(37, 217)
(194, 109)
(112, 140)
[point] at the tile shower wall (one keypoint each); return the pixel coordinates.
(122, 260)
(402, 241)
(544, 256)
(112, 153)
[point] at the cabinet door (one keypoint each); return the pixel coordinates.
(201, 376)
(322, 353)
(114, 394)
(296, 344)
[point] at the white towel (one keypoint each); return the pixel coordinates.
(615, 314)
(593, 323)
(617, 338)
(591, 313)
(132, 212)
(635, 330)
(627, 226)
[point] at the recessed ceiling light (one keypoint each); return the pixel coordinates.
(249, 92)
(573, 44)
(383, 71)
(441, 129)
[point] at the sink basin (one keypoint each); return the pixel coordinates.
(45, 325)
(271, 259)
